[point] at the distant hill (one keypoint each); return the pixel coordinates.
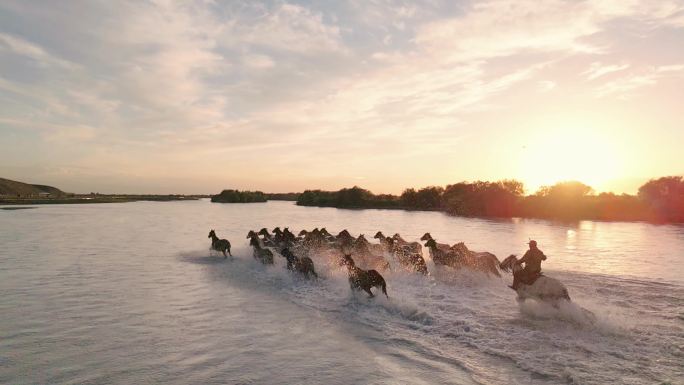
(14, 188)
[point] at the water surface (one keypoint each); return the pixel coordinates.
(129, 293)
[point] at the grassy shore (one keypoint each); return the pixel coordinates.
(97, 198)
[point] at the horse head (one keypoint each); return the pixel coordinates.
(344, 234)
(396, 236)
(263, 231)
(426, 237)
(509, 263)
(254, 241)
(325, 232)
(251, 234)
(431, 243)
(303, 233)
(277, 231)
(211, 234)
(379, 235)
(362, 240)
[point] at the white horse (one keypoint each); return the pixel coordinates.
(544, 288)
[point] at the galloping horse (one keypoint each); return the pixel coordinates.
(261, 254)
(303, 265)
(442, 246)
(483, 261)
(221, 245)
(363, 279)
(543, 287)
(415, 246)
(441, 256)
(408, 257)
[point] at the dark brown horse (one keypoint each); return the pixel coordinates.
(221, 245)
(303, 265)
(262, 254)
(363, 279)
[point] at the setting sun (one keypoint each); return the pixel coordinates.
(572, 151)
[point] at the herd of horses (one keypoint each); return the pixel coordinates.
(364, 260)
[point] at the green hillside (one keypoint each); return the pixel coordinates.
(14, 189)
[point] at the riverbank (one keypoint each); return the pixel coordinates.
(98, 198)
(658, 201)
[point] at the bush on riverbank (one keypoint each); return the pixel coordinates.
(236, 196)
(354, 197)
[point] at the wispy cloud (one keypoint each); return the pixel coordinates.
(624, 86)
(598, 69)
(19, 46)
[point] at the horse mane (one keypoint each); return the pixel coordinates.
(507, 264)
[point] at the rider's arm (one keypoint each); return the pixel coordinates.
(524, 258)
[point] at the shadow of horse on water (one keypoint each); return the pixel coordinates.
(203, 259)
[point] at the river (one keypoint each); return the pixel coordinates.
(129, 293)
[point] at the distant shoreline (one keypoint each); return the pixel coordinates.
(99, 198)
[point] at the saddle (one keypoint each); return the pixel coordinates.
(530, 278)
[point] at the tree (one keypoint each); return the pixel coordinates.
(409, 198)
(665, 197)
(566, 190)
(429, 198)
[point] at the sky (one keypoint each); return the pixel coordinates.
(199, 96)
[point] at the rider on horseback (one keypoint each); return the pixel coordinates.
(532, 259)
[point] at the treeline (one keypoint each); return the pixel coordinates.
(236, 196)
(659, 200)
(282, 196)
(354, 197)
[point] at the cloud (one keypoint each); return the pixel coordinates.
(19, 46)
(288, 27)
(625, 86)
(597, 70)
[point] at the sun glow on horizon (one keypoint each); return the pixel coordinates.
(572, 151)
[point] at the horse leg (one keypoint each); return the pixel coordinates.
(384, 288)
(368, 290)
(495, 270)
(224, 253)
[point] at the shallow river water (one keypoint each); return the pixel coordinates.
(130, 294)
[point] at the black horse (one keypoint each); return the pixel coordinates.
(363, 279)
(221, 245)
(303, 265)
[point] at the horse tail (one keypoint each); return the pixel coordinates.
(384, 288)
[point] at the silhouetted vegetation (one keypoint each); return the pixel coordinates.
(282, 196)
(354, 197)
(236, 196)
(664, 198)
(659, 200)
